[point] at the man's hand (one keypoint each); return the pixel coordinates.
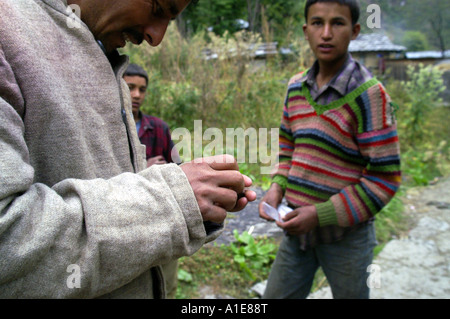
(158, 160)
(217, 182)
(273, 197)
(300, 221)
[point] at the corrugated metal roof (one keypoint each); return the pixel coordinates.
(374, 42)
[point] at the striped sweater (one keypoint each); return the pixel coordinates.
(342, 157)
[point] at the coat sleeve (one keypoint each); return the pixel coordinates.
(112, 229)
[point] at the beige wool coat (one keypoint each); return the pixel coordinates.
(75, 196)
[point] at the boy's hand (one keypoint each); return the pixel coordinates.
(218, 185)
(273, 197)
(300, 221)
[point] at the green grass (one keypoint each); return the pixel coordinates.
(215, 266)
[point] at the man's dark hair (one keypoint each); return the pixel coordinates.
(136, 70)
(352, 4)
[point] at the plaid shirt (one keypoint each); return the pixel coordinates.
(154, 133)
(351, 76)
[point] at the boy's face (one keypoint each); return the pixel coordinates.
(329, 31)
(138, 89)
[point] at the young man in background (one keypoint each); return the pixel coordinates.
(339, 162)
(153, 132)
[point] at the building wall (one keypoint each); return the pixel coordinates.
(374, 61)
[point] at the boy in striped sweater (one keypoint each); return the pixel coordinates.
(339, 162)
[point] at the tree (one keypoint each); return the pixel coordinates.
(220, 15)
(433, 18)
(284, 17)
(415, 41)
(423, 89)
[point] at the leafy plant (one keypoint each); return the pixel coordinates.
(426, 164)
(423, 88)
(183, 275)
(251, 255)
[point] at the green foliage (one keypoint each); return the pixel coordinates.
(231, 89)
(284, 18)
(220, 15)
(400, 16)
(251, 255)
(415, 41)
(214, 266)
(420, 167)
(422, 126)
(390, 221)
(183, 275)
(423, 90)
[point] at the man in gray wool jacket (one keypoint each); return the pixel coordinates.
(80, 214)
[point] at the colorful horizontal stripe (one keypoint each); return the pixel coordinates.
(342, 157)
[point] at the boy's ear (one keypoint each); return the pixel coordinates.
(304, 31)
(356, 30)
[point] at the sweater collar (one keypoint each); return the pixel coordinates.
(339, 81)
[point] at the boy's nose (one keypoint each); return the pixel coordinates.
(135, 93)
(327, 32)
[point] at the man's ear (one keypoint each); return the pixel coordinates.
(356, 31)
(305, 26)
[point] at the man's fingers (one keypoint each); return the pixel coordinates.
(225, 198)
(247, 181)
(220, 162)
(243, 199)
(215, 214)
(217, 185)
(232, 180)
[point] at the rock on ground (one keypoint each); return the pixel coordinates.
(413, 267)
(418, 265)
(246, 220)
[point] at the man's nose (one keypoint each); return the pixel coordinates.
(155, 31)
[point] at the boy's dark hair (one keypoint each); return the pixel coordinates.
(352, 4)
(136, 70)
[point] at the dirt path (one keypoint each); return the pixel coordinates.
(416, 266)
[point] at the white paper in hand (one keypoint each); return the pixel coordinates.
(276, 214)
